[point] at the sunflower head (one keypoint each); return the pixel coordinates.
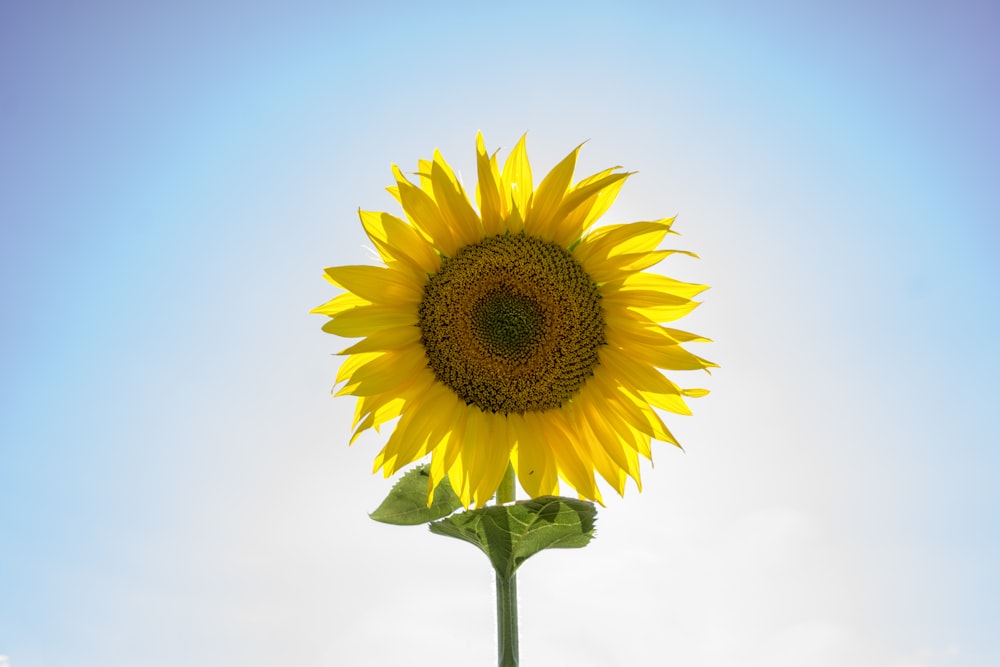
(512, 333)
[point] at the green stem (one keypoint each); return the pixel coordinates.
(506, 621)
(506, 592)
(507, 491)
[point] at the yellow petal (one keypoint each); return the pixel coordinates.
(389, 372)
(366, 320)
(655, 282)
(648, 333)
(586, 202)
(389, 338)
(375, 283)
(423, 212)
(540, 220)
(570, 450)
(418, 429)
(426, 180)
(533, 459)
(670, 357)
(494, 455)
(396, 241)
(649, 382)
(618, 268)
(605, 198)
(453, 413)
(657, 306)
(612, 435)
(368, 417)
(613, 240)
(340, 303)
(629, 408)
(611, 472)
(454, 205)
(517, 178)
(353, 363)
(489, 192)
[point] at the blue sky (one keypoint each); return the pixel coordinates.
(175, 485)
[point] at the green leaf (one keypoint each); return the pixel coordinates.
(406, 504)
(510, 534)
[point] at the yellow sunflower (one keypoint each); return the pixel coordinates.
(515, 336)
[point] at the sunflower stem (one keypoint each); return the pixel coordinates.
(506, 491)
(506, 620)
(506, 591)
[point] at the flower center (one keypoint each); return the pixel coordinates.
(506, 323)
(512, 324)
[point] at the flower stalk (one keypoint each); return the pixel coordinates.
(506, 620)
(507, 655)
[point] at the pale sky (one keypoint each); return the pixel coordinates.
(175, 482)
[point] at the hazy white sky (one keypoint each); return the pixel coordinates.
(175, 484)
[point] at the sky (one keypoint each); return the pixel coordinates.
(175, 482)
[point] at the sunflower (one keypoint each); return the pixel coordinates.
(516, 335)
